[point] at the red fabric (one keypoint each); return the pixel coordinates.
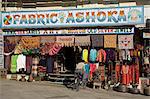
(92, 69)
(137, 74)
(101, 55)
(102, 71)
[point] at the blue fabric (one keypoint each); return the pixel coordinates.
(86, 70)
(93, 55)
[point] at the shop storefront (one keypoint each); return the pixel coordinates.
(55, 41)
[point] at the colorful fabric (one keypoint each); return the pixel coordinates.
(85, 55)
(125, 41)
(82, 40)
(21, 62)
(102, 72)
(110, 41)
(48, 39)
(55, 49)
(92, 70)
(13, 68)
(86, 71)
(93, 55)
(30, 42)
(65, 40)
(97, 40)
(117, 72)
(18, 49)
(80, 65)
(101, 57)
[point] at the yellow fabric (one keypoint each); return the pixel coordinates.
(85, 55)
(30, 42)
(110, 41)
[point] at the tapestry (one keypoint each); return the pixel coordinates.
(110, 41)
(30, 42)
(48, 39)
(65, 40)
(125, 41)
(97, 40)
(82, 41)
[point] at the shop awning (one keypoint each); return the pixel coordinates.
(82, 41)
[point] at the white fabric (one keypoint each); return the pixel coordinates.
(21, 62)
(146, 60)
(80, 65)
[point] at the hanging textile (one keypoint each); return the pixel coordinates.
(13, 68)
(18, 49)
(82, 40)
(8, 46)
(110, 55)
(13, 39)
(7, 62)
(55, 49)
(110, 41)
(92, 70)
(101, 57)
(102, 72)
(30, 42)
(48, 39)
(125, 41)
(117, 72)
(125, 55)
(86, 71)
(85, 55)
(50, 64)
(28, 64)
(125, 75)
(97, 40)
(21, 62)
(93, 55)
(35, 62)
(65, 40)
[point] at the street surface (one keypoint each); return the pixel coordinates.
(44, 90)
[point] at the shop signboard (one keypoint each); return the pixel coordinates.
(146, 35)
(72, 31)
(74, 17)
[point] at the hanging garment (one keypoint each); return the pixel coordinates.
(110, 55)
(101, 57)
(50, 64)
(28, 64)
(13, 68)
(125, 75)
(8, 46)
(82, 40)
(125, 41)
(110, 41)
(117, 72)
(102, 72)
(85, 55)
(146, 60)
(137, 74)
(110, 70)
(92, 69)
(97, 40)
(125, 55)
(93, 55)
(35, 62)
(42, 61)
(21, 62)
(55, 49)
(86, 71)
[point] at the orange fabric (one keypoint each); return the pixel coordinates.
(125, 75)
(101, 57)
(117, 70)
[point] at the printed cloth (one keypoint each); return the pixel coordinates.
(18, 49)
(101, 57)
(92, 69)
(125, 75)
(65, 40)
(117, 72)
(110, 41)
(125, 55)
(80, 65)
(82, 40)
(13, 68)
(86, 71)
(85, 55)
(8, 46)
(30, 42)
(13, 39)
(93, 55)
(97, 40)
(125, 41)
(35, 62)
(48, 39)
